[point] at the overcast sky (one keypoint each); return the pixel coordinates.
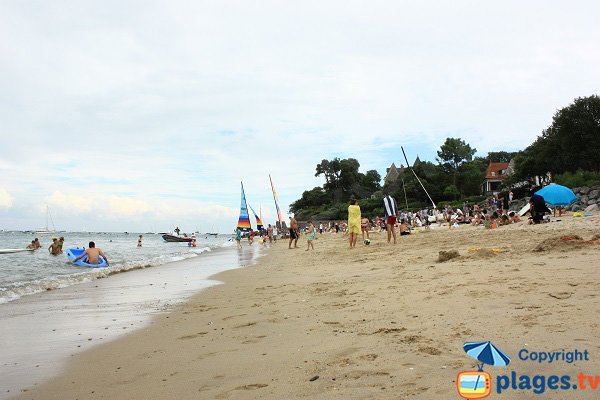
(143, 115)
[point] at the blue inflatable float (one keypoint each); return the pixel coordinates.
(74, 253)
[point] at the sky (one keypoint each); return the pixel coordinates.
(141, 116)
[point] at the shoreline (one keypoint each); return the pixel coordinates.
(379, 321)
(43, 331)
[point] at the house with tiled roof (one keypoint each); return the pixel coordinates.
(495, 174)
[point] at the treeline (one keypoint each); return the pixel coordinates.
(567, 152)
(456, 177)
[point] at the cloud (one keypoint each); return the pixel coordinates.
(74, 203)
(6, 200)
(144, 124)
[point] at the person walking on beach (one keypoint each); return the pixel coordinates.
(353, 222)
(93, 255)
(310, 231)
(238, 238)
(270, 233)
(293, 232)
(140, 241)
(391, 214)
(365, 226)
(54, 249)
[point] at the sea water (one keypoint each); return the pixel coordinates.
(27, 273)
(51, 310)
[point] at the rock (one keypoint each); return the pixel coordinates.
(584, 190)
(593, 207)
(594, 194)
(576, 207)
(583, 199)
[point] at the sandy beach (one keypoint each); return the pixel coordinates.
(376, 322)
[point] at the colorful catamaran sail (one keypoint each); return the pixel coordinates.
(279, 215)
(259, 224)
(244, 220)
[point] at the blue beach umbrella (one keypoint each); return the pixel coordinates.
(557, 195)
(486, 353)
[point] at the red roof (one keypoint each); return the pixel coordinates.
(498, 170)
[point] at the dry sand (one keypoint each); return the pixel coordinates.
(376, 322)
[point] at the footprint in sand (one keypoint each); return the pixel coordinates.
(192, 336)
(252, 386)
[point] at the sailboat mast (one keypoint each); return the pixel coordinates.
(279, 217)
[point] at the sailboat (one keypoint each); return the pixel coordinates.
(244, 220)
(259, 224)
(279, 215)
(46, 229)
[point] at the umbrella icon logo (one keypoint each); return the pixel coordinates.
(473, 385)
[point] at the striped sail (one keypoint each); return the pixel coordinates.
(244, 221)
(259, 224)
(279, 215)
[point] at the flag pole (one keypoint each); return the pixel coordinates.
(413, 171)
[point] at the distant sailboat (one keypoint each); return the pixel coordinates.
(47, 229)
(244, 220)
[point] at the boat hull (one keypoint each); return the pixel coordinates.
(173, 238)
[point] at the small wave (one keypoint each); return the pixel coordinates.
(201, 250)
(20, 289)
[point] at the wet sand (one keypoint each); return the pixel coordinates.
(42, 332)
(376, 322)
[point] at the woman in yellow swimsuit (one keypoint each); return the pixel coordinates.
(353, 222)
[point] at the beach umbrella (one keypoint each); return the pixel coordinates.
(486, 353)
(557, 195)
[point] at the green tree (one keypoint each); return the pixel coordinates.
(575, 135)
(452, 154)
(569, 144)
(470, 177)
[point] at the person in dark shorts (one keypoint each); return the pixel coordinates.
(293, 232)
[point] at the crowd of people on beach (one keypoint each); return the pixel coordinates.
(490, 214)
(267, 235)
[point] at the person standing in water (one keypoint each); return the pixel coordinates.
(54, 249)
(238, 238)
(61, 241)
(140, 241)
